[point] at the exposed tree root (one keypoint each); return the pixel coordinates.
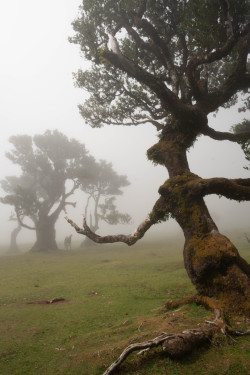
(178, 345)
(207, 302)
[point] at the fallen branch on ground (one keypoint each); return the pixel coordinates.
(178, 345)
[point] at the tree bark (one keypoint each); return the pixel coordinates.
(13, 249)
(212, 262)
(45, 236)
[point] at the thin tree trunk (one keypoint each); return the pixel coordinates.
(13, 248)
(87, 241)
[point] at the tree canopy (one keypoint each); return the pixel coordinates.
(102, 188)
(154, 59)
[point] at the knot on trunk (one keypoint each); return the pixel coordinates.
(180, 345)
(207, 255)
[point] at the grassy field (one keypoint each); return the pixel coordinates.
(111, 294)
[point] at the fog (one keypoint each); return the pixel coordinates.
(37, 93)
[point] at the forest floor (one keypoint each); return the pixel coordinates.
(109, 297)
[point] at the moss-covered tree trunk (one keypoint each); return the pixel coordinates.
(212, 262)
(45, 236)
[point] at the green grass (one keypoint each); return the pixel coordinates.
(112, 293)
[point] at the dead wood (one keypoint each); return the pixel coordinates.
(178, 345)
(181, 344)
(174, 345)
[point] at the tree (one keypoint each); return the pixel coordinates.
(14, 248)
(102, 188)
(171, 63)
(49, 164)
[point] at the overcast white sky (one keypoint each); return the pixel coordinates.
(37, 93)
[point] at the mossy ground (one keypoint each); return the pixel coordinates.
(112, 294)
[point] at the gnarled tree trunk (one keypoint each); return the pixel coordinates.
(212, 262)
(45, 236)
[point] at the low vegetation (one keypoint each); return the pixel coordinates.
(111, 298)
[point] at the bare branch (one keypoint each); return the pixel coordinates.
(128, 239)
(159, 212)
(24, 225)
(140, 345)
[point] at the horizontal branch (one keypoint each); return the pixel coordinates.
(158, 213)
(225, 136)
(128, 239)
(237, 189)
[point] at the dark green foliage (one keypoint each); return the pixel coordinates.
(170, 30)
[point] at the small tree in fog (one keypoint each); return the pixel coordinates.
(103, 187)
(14, 248)
(49, 164)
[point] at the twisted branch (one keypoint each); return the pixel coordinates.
(128, 239)
(140, 345)
(159, 212)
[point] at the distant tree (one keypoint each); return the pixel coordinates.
(14, 248)
(171, 63)
(49, 164)
(102, 188)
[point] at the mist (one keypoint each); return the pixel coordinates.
(37, 93)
